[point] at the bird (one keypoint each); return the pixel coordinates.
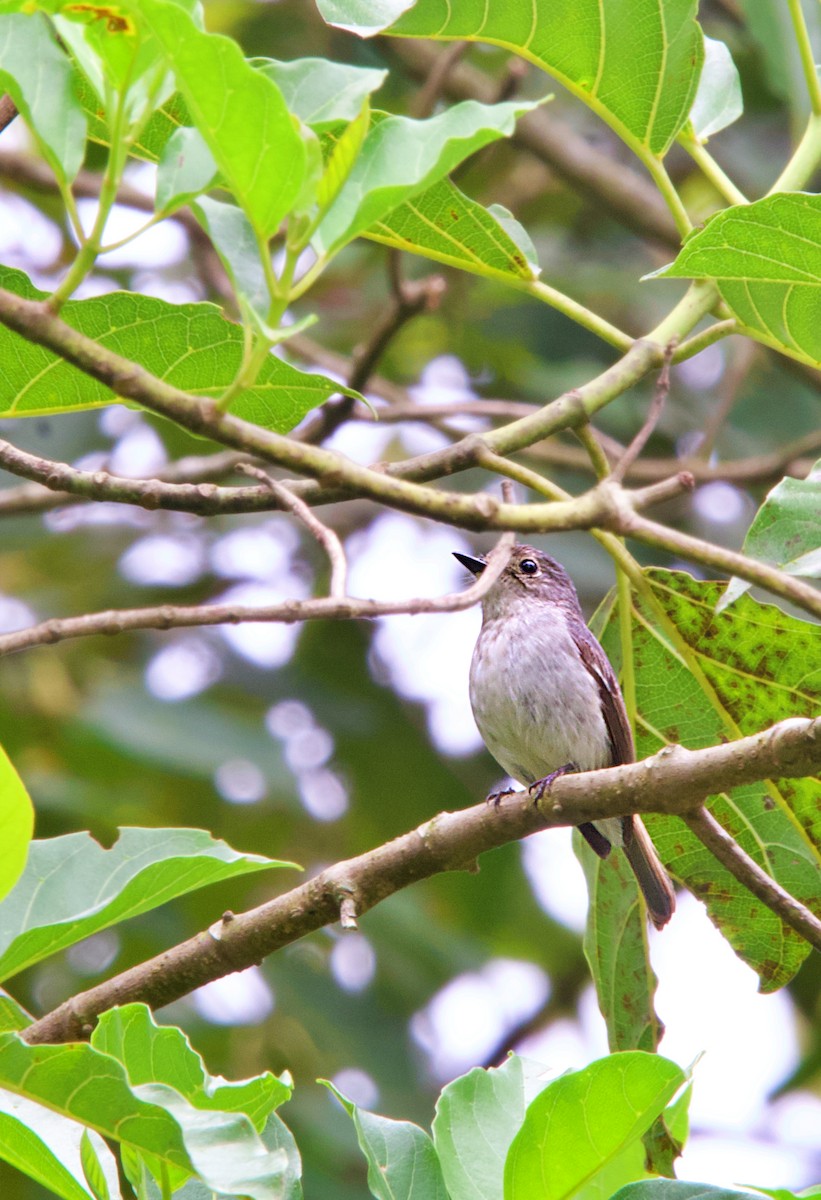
(546, 701)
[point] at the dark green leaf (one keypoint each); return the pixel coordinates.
(191, 346)
(637, 65)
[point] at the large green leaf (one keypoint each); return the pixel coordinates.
(401, 157)
(785, 531)
(636, 64)
(72, 887)
(80, 1082)
(152, 1053)
(586, 1122)
(477, 1117)
(766, 260)
(39, 78)
(240, 112)
(16, 822)
(753, 666)
(191, 346)
(615, 945)
(402, 1162)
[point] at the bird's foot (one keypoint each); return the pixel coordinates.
(537, 790)
(496, 798)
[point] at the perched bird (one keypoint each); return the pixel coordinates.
(547, 701)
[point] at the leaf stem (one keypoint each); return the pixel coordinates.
(802, 38)
(804, 161)
(711, 169)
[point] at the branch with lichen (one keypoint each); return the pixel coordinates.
(674, 781)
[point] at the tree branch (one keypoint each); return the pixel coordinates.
(673, 781)
(747, 871)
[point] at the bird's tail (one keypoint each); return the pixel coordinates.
(652, 878)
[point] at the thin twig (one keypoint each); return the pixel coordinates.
(675, 781)
(172, 616)
(8, 111)
(326, 537)
(656, 405)
(426, 99)
(747, 871)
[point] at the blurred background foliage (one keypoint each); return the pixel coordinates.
(315, 744)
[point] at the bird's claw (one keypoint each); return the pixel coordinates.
(496, 798)
(541, 786)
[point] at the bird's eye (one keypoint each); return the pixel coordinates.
(528, 567)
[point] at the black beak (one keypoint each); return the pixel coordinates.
(476, 565)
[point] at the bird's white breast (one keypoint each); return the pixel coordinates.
(535, 703)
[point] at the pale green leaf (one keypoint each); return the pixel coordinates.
(39, 78)
(786, 531)
(186, 169)
(43, 1145)
(718, 101)
(402, 1163)
(72, 887)
(79, 1082)
(477, 1117)
(154, 1053)
(319, 92)
(93, 1168)
(240, 112)
(401, 158)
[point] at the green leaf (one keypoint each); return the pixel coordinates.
(401, 158)
(786, 531)
(186, 169)
(72, 887)
(718, 101)
(754, 665)
(584, 1122)
(402, 1163)
(446, 225)
(277, 1136)
(191, 346)
(477, 1117)
(615, 946)
(319, 92)
(17, 823)
(635, 65)
(39, 78)
(121, 60)
(79, 1082)
(766, 259)
(152, 1053)
(93, 1169)
(240, 112)
(342, 158)
(42, 1145)
(682, 1189)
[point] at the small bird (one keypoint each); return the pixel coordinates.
(547, 701)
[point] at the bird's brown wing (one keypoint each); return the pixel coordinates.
(612, 702)
(615, 718)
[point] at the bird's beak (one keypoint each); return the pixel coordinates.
(476, 565)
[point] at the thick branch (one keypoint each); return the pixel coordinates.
(674, 781)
